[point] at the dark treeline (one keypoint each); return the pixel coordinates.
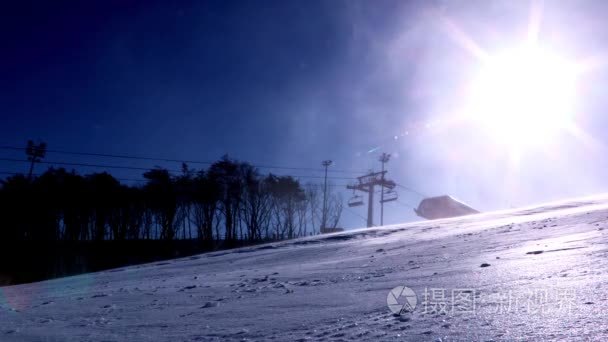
(62, 223)
(231, 201)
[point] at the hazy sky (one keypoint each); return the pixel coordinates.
(295, 82)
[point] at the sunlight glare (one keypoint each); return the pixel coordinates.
(523, 97)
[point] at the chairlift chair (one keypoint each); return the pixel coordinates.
(355, 201)
(389, 196)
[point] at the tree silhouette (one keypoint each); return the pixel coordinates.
(205, 198)
(229, 204)
(227, 174)
(162, 200)
(287, 196)
(256, 203)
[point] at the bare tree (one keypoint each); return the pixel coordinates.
(334, 210)
(227, 174)
(314, 202)
(163, 201)
(287, 195)
(206, 196)
(256, 204)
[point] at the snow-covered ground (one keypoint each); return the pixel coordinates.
(547, 279)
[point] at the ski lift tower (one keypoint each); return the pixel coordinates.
(383, 159)
(367, 184)
(35, 153)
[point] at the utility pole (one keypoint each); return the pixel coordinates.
(326, 164)
(35, 153)
(383, 159)
(367, 184)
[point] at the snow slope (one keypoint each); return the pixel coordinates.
(549, 264)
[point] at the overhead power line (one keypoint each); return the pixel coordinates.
(411, 190)
(106, 166)
(318, 185)
(86, 165)
(356, 214)
(122, 156)
(8, 173)
(405, 204)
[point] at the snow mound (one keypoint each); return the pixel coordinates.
(533, 273)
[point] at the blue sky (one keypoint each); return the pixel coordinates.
(291, 83)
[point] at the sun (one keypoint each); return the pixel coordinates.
(523, 97)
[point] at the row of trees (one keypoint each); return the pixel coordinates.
(229, 201)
